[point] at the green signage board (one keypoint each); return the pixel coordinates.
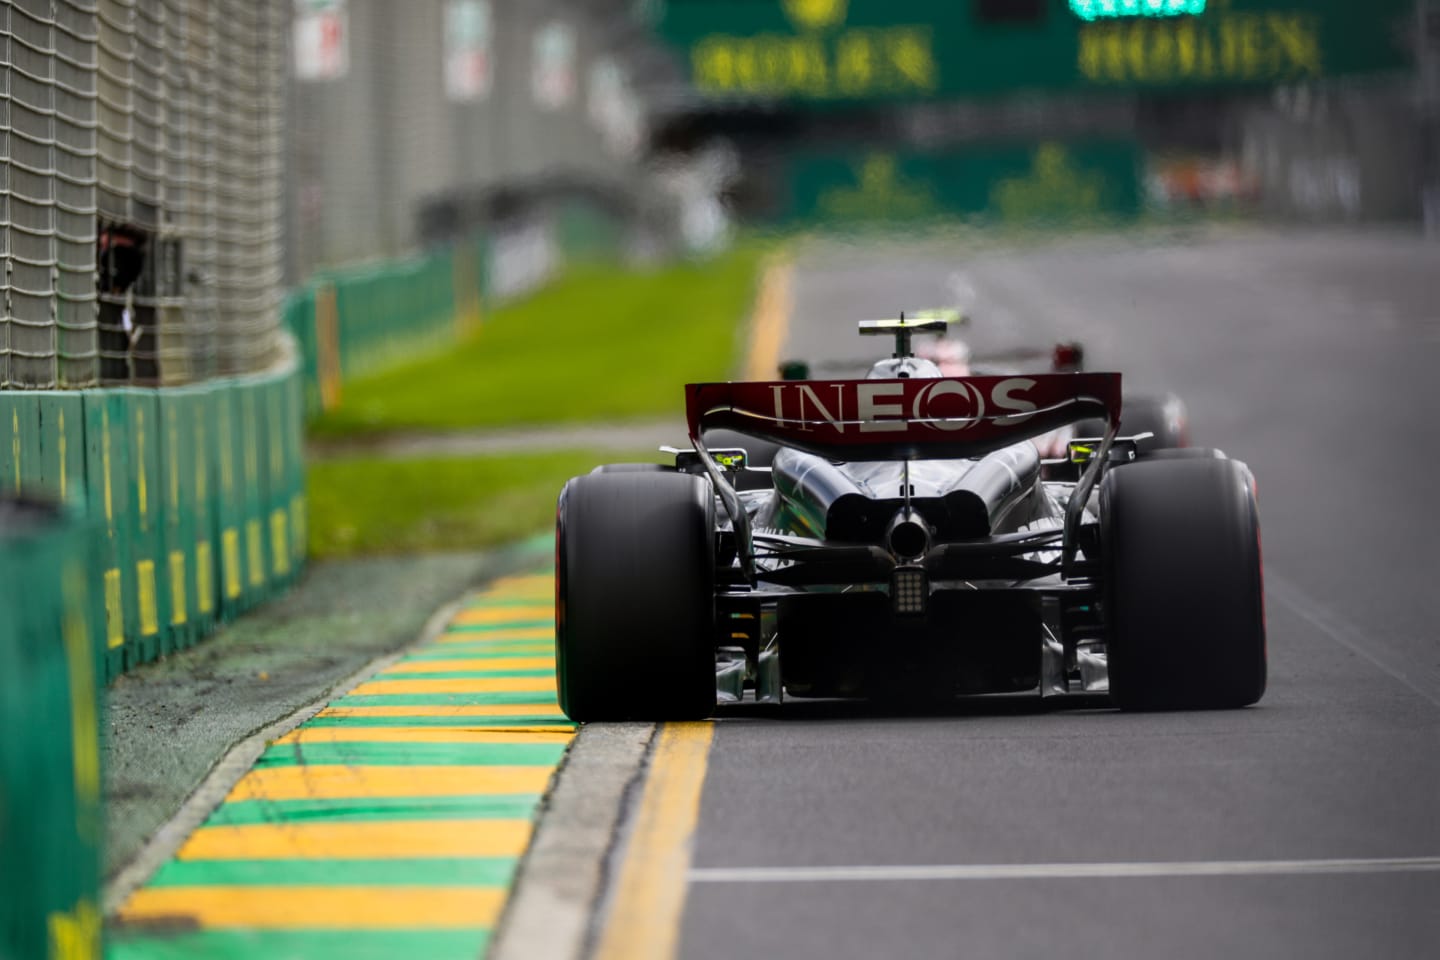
(1054, 182)
(837, 51)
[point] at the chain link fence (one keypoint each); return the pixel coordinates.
(142, 189)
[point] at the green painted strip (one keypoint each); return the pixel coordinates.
(462, 674)
(499, 627)
(479, 723)
(438, 872)
(443, 699)
(299, 945)
(413, 754)
(520, 806)
(484, 651)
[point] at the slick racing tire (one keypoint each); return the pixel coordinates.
(1184, 601)
(634, 597)
(634, 468)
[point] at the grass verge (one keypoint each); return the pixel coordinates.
(371, 506)
(598, 345)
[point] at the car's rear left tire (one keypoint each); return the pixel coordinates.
(1183, 593)
(635, 602)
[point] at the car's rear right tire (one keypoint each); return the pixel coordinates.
(1183, 593)
(634, 597)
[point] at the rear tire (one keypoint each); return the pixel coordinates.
(1184, 600)
(634, 468)
(635, 597)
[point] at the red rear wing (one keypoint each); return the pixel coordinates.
(903, 419)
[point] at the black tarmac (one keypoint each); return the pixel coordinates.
(1315, 357)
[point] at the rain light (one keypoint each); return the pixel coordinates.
(910, 591)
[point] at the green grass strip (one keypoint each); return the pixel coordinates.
(442, 699)
(519, 806)
(552, 356)
(438, 872)
(365, 505)
(299, 945)
(480, 723)
(413, 754)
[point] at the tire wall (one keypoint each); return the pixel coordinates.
(50, 704)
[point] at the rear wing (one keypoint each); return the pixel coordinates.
(902, 419)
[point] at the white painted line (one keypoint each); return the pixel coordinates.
(1064, 871)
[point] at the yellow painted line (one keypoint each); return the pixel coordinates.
(328, 908)
(770, 320)
(546, 708)
(368, 840)
(458, 685)
(507, 636)
(490, 665)
(314, 735)
(489, 615)
(334, 782)
(557, 730)
(644, 920)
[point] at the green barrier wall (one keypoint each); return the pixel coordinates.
(195, 499)
(356, 321)
(50, 818)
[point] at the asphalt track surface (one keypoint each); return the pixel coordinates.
(1315, 357)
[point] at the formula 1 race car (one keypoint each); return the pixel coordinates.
(906, 546)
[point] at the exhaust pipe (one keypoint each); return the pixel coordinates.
(908, 535)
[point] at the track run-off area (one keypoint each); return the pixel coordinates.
(1306, 826)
